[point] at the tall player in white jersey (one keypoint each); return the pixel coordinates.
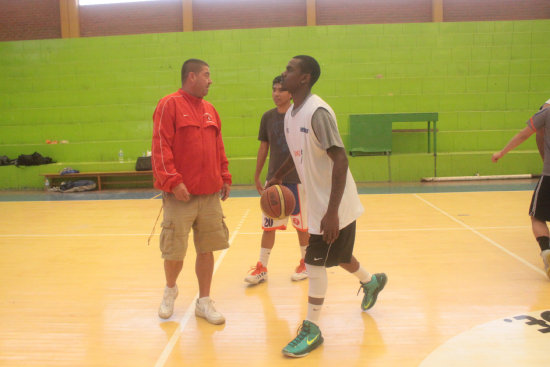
(318, 155)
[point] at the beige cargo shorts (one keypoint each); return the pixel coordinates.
(204, 214)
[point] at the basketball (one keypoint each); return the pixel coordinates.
(277, 202)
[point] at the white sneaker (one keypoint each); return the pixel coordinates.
(300, 273)
(206, 310)
(166, 308)
(257, 274)
(546, 258)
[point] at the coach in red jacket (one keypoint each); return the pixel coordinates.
(190, 167)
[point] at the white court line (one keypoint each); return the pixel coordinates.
(406, 230)
(518, 258)
(183, 322)
(252, 233)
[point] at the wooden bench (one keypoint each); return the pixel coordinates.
(133, 177)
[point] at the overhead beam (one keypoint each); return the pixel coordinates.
(70, 22)
(437, 10)
(187, 15)
(311, 13)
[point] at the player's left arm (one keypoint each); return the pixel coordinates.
(540, 142)
(330, 224)
(325, 129)
(224, 163)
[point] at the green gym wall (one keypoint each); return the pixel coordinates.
(485, 79)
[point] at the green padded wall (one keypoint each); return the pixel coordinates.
(483, 78)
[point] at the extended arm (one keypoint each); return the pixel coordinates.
(514, 142)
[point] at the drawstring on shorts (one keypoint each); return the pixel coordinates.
(154, 225)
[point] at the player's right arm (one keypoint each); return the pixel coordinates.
(514, 142)
(164, 169)
(260, 161)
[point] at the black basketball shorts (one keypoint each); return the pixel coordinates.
(320, 253)
(540, 203)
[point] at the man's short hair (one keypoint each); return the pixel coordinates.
(309, 65)
(191, 66)
(278, 80)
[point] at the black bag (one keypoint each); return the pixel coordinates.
(34, 159)
(77, 186)
(144, 164)
(5, 161)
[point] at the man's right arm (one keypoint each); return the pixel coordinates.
(162, 156)
(260, 161)
(536, 124)
(514, 142)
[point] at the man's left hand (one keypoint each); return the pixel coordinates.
(224, 192)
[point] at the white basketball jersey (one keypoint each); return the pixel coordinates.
(314, 167)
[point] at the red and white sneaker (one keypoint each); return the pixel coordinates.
(300, 273)
(257, 274)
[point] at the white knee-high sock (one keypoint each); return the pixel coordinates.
(318, 284)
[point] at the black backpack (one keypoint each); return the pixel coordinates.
(34, 159)
(5, 161)
(144, 164)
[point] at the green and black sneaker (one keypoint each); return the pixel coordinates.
(309, 337)
(371, 290)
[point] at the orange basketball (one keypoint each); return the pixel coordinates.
(277, 202)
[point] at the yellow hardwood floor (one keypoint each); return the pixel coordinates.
(79, 286)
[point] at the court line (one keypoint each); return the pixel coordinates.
(406, 230)
(250, 233)
(183, 322)
(500, 247)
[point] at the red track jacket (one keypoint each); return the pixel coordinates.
(188, 145)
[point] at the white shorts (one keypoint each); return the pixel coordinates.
(298, 216)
